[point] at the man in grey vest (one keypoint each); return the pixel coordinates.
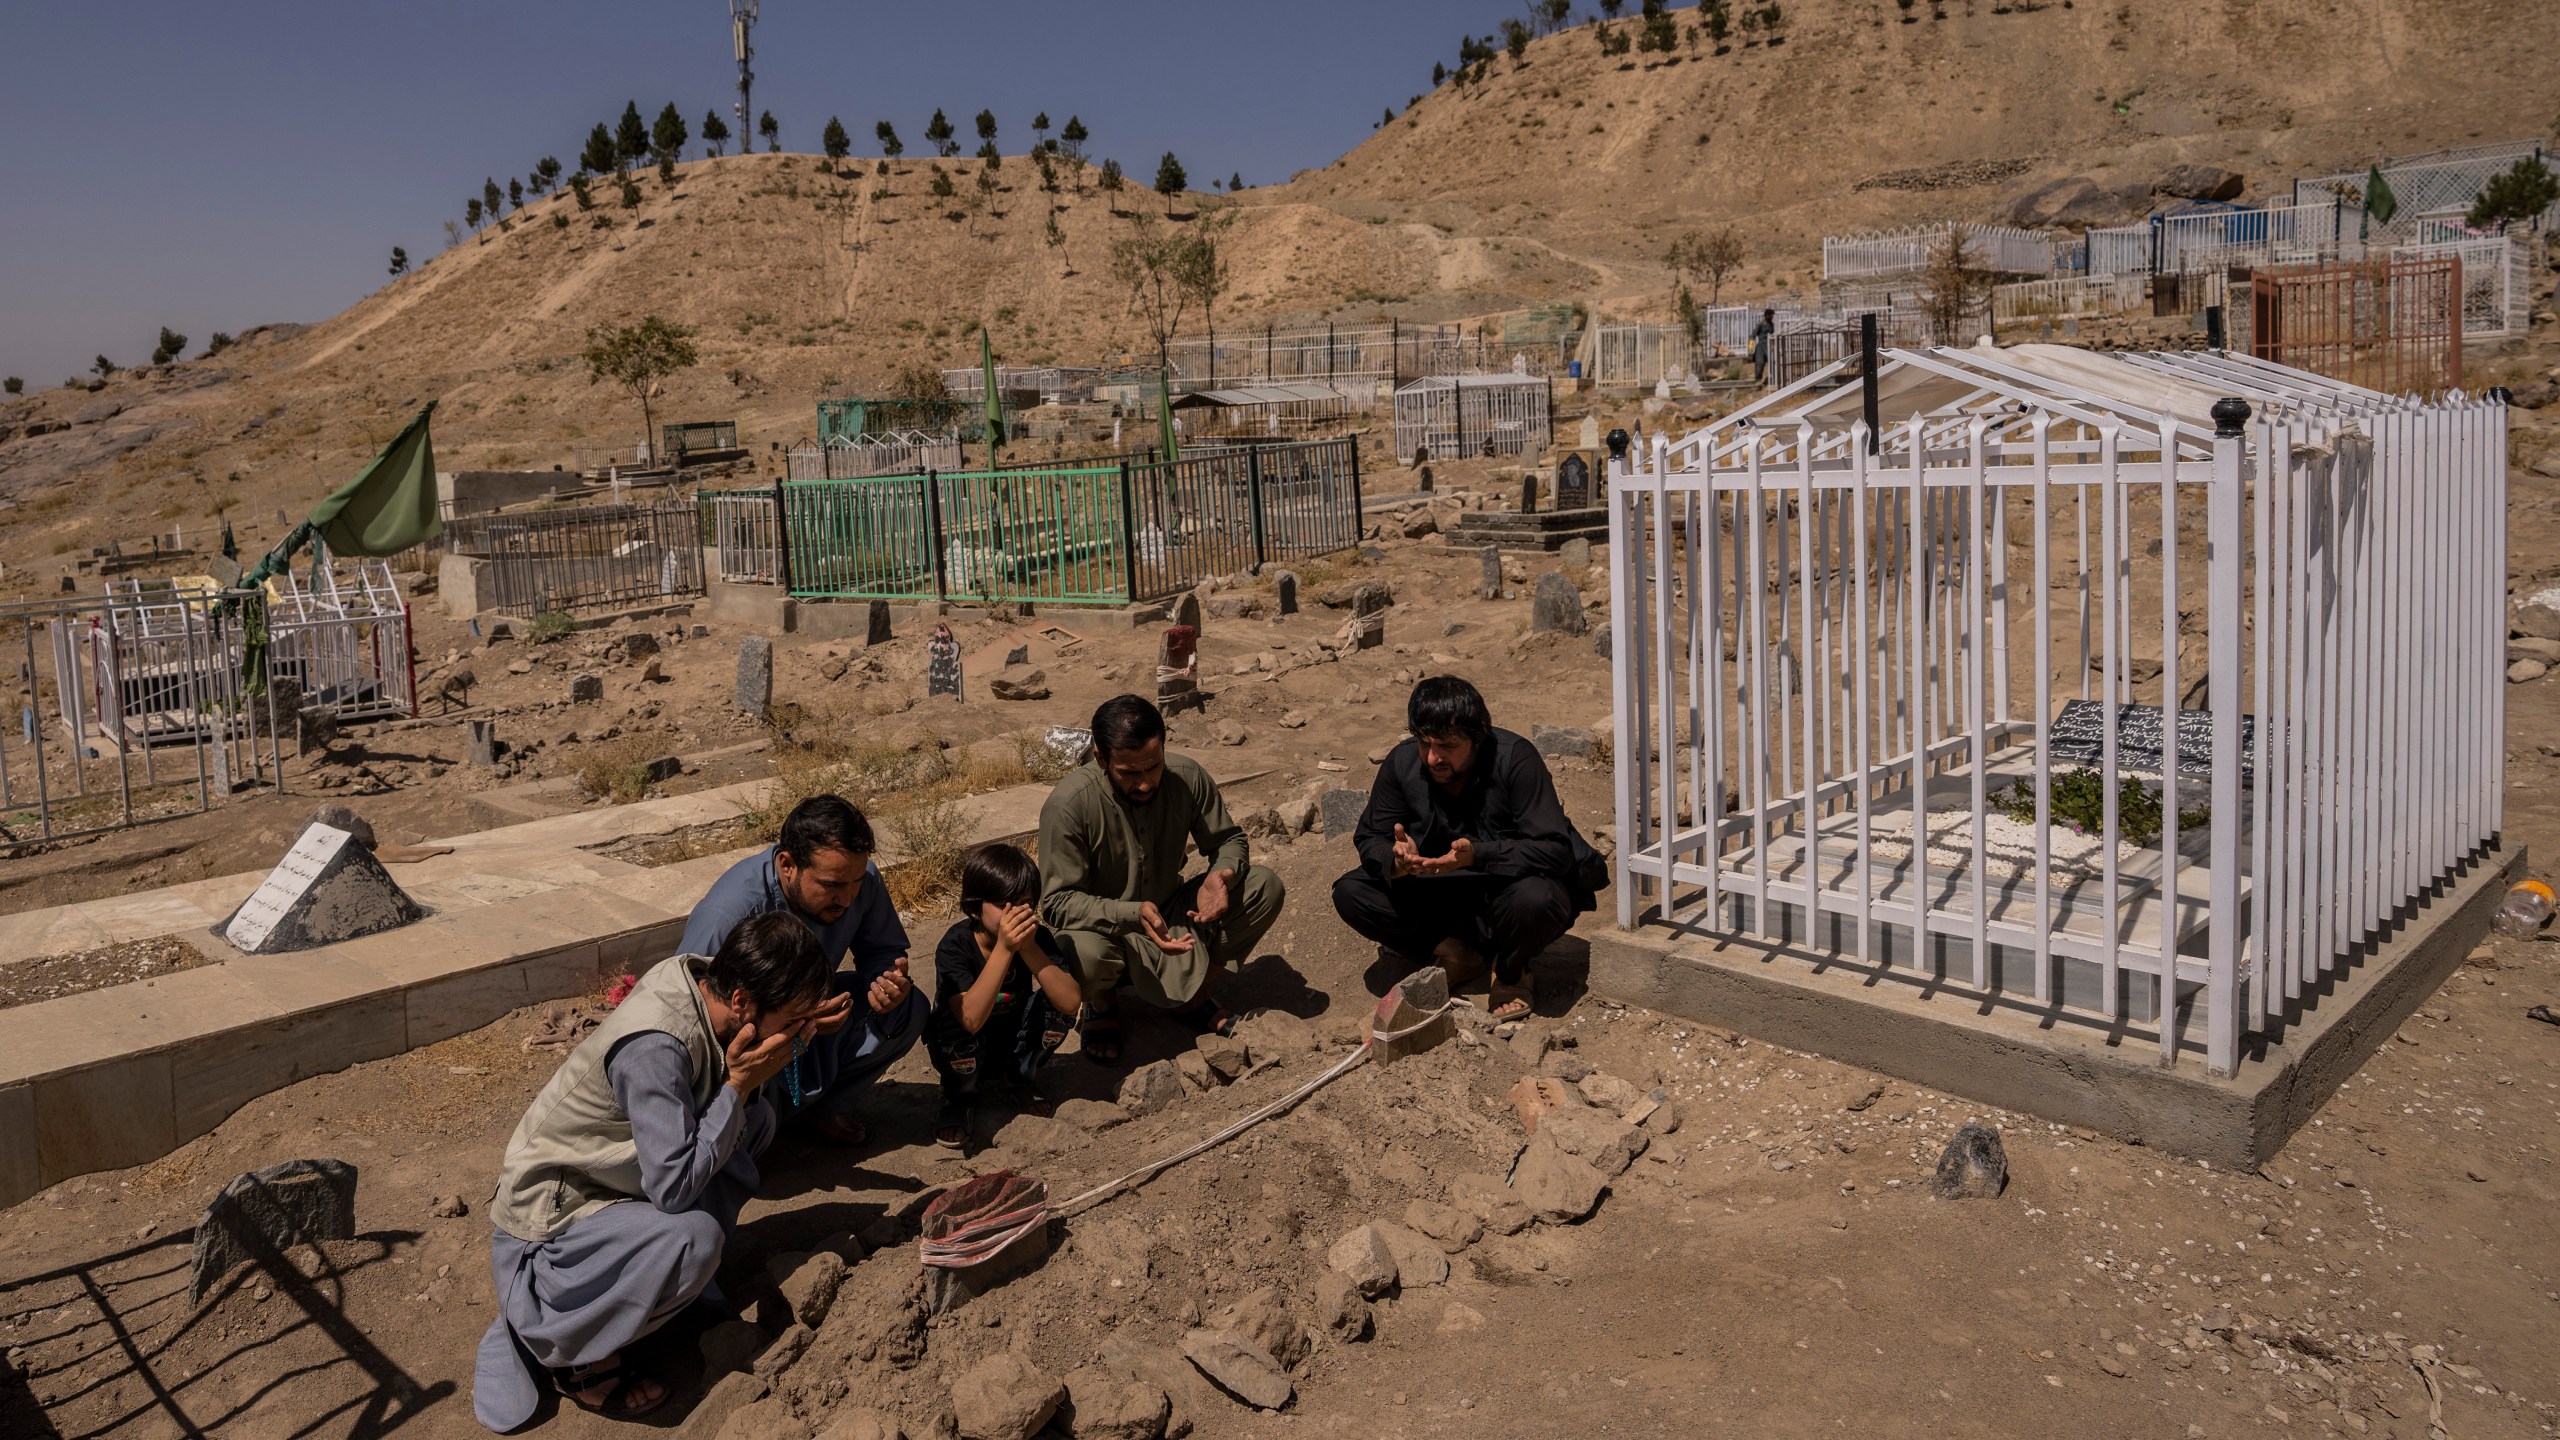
(623, 1181)
(821, 871)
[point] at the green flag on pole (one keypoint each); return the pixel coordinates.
(391, 504)
(2379, 203)
(995, 399)
(1164, 414)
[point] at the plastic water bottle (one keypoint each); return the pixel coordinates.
(2527, 909)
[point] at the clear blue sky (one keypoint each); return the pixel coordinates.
(213, 167)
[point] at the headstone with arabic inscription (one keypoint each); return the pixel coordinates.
(327, 888)
(1573, 484)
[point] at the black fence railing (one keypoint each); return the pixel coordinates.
(1223, 511)
(593, 557)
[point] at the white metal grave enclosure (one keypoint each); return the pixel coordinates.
(2243, 622)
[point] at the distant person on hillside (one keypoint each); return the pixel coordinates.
(1762, 335)
(821, 871)
(622, 1184)
(1466, 857)
(1003, 995)
(1113, 839)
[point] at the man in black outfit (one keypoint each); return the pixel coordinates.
(1465, 852)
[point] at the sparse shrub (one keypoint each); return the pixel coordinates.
(550, 625)
(15, 385)
(171, 344)
(2080, 801)
(630, 193)
(620, 772)
(578, 187)
(2517, 194)
(399, 261)
(220, 342)
(104, 368)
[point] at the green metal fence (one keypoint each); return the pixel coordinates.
(1092, 534)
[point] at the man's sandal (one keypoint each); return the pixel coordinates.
(620, 1401)
(1508, 1002)
(951, 1130)
(1102, 1038)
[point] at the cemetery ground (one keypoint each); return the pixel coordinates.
(1772, 1259)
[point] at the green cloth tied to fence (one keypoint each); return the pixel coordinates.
(2379, 203)
(388, 507)
(995, 398)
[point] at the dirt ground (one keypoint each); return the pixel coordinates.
(1775, 1264)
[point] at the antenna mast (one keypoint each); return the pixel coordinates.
(742, 20)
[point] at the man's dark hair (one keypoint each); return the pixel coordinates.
(1445, 707)
(997, 875)
(825, 822)
(774, 958)
(1125, 722)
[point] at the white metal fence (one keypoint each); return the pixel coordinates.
(2058, 299)
(2421, 185)
(892, 452)
(2497, 281)
(1642, 354)
(746, 538)
(1899, 252)
(2065, 588)
(1452, 417)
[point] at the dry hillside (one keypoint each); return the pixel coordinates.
(1556, 179)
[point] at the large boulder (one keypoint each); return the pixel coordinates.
(2199, 182)
(2075, 202)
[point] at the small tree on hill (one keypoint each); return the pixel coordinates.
(1170, 180)
(890, 144)
(1551, 15)
(1040, 127)
(771, 130)
(1515, 38)
(399, 261)
(1054, 236)
(630, 138)
(104, 368)
(1439, 74)
(715, 133)
(15, 385)
(1235, 182)
(835, 142)
(1613, 8)
(515, 193)
(172, 344)
(630, 193)
(987, 127)
(941, 187)
(2518, 194)
(220, 342)
(547, 174)
(938, 133)
(667, 136)
(1955, 284)
(1153, 265)
(637, 358)
(1074, 137)
(490, 196)
(578, 187)
(599, 156)
(471, 212)
(1112, 181)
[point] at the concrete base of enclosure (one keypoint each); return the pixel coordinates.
(2062, 1065)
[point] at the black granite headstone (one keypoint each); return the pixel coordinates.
(1529, 493)
(1573, 484)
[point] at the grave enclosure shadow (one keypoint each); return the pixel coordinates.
(126, 1317)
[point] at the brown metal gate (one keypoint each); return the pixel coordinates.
(2388, 325)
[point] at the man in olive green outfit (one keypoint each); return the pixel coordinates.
(1113, 839)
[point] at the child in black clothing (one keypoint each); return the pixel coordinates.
(1003, 1004)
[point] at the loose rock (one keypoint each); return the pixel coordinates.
(1419, 1259)
(585, 687)
(1003, 1398)
(1609, 1145)
(1150, 1088)
(1340, 1312)
(1973, 1167)
(729, 1345)
(1239, 1367)
(1556, 1187)
(1555, 606)
(1490, 1201)
(808, 1283)
(1226, 1055)
(1091, 1116)
(1264, 1318)
(1364, 1258)
(1108, 1406)
(1276, 1032)
(861, 1422)
(1452, 1227)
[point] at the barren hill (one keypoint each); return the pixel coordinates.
(1559, 178)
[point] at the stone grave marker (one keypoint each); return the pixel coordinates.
(1342, 810)
(754, 692)
(1178, 668)
(1489, 582)
(1426, 479)
(327, 888)
(1557, 606)
(1573, 484)
(942, 663)
(1589, 439)
(264, 1212)
(1186, 611)
(1529, 493)
(483, 748)
(1287, 585)
(879, 632)
(1576, 553)
(1368, 625)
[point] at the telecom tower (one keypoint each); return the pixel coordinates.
(742, 20)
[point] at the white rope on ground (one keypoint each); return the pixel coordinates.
(1349, 1062)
